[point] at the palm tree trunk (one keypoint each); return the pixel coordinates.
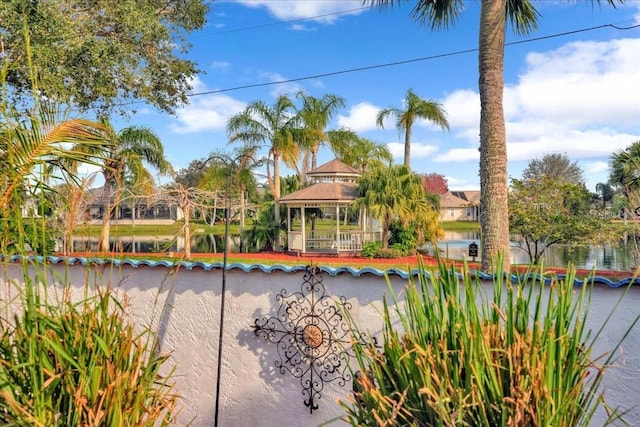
(187, 231)
(407, 148)
(103, 244)
(494, 209)
(276, 198)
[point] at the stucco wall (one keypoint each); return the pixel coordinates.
(253, 391)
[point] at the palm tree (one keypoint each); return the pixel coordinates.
(606, 192)
(271, 126)
(31, 146)
(129, 153)
(315, 114)
(393, 193)
(494, 207)
(362, 152)
(625, 170)
(37, 143)
(414, 108)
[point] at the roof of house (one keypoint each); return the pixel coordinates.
(459, 199)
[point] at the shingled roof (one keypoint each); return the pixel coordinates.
(324, 192)
(334, 167)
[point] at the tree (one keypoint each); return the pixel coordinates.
(494, 213)
(556, 166)
(414, 108)
(605, 193)
(100, 54)
(362, 152)
(315, 114)
(129, 152)
(544, 211)
(394, 193)
(625, 171)
(271, 126)
(435, 183)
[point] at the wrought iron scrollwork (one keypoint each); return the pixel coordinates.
(311, 336)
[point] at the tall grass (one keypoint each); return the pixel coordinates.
(68, 361)
(451, 355)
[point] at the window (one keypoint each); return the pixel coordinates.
(452, 212)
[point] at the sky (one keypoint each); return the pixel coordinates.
(572, 86)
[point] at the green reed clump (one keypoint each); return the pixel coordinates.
(83, 363)
(451, 355)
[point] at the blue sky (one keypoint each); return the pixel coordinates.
(576, 94)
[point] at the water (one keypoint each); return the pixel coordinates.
(619, 257)
(455, 245)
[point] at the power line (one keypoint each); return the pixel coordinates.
(274, 24)
(403, 62)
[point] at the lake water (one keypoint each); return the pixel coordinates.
(455, 245)
(605, 257)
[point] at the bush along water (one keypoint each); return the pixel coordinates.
(519, 357)
(79, 363)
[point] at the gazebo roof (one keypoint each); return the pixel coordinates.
(334, 168)
(323, 192)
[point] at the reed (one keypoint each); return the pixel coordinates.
(451, 355)
(69, 361)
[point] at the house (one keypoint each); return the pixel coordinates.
(131, 210)
(460, 206)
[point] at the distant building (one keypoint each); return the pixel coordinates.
(131, 210)
(460, 206)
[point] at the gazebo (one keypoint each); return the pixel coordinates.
(321, 218)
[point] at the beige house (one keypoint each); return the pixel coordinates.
(460, 206)
(320, 217)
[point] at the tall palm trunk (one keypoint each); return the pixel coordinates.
(103, 244)
(494, 209)
(276, 198)
(407, 147)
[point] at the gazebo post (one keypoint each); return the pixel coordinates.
(302, 227)
(338, 228)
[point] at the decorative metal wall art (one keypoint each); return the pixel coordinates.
(311, 336)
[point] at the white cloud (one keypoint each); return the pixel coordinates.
(458, 155)
(584, 83)
(288, 88)
(326, 11)
(362, 117)
(463, 109)
(206, 113)
(419, 150)
(581, 99)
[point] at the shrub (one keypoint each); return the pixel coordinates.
(81, 364)
(370, 249)
(519, 358)
(388, 253)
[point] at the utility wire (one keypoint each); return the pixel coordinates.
(407, 61)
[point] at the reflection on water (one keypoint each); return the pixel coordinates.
(200, 243)
(603, 257)
(454, 245)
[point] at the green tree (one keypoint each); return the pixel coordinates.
(414, 108)
(273, 127)
(625, 171)
(546, 211)
(362, 152)
(556, 166)
(100, 54)
(315, 115)
(494, 14)
(394, 193)
(129, 153)
(605, 193)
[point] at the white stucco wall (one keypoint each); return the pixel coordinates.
(253, 391)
